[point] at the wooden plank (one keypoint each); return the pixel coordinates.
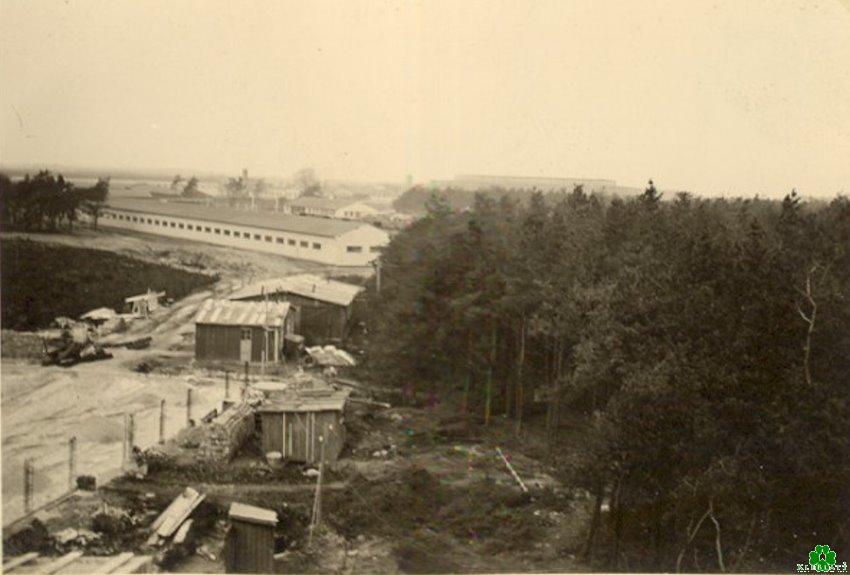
(18, 561)
(62, 562)
(180, 536)
(169, 527)
(113, 563)
(512, 470)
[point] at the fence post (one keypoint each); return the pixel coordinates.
(131, 435)
(72, 463)
(162, 421)
(226, 385)
(28, 484)
(188, 407)
(246, 373)
(124, 451)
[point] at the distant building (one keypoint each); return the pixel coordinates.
(242, 331)
(329, 241)
(339, 208)
(324, 305)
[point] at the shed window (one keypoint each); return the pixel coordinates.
(317, 246)
(218, 231)
(246, 334)
(354, 249)
(181, 226)
(190, 227)
(375, 249)
(257, 237)
(279, 240)
(268, 238)
(227, 232)
(207, 230)
(150, 221)
(173, 225)
(305, 244)
(291, 242)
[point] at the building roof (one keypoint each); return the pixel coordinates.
(306, 400)
(244, 512)
(324, 203)
(268, 220)
(304, 285)
(243, 313)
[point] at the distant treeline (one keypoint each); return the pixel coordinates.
(690, 356)
(47, 202)
(415, 200)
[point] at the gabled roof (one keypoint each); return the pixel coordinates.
(243, 313)
(304, 285)
(307, 225)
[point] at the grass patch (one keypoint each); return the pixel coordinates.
(42, 281)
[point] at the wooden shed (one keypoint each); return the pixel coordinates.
(298, 424)
(242, 331)
(249, 547)
(324, 305)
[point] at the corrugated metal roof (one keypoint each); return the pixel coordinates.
(252, 514)
(324, 227)
(305, 402)
(304, 285)
(243, 313)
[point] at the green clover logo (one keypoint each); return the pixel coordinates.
(822, 559)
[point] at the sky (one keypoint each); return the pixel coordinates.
(731, 97)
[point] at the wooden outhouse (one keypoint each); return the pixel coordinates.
(249, 547)
(242, 331)
(304, 426)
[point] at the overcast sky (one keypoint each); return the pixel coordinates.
(737, 96)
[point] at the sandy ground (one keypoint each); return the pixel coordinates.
(43, 407)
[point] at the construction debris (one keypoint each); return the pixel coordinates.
(171, 520)
(70, 344)
(330, 355)
(136, 343)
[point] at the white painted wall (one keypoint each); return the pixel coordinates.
(332, 251)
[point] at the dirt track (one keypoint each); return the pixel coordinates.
(43, 407)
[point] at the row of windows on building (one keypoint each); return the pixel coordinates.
(233, 233)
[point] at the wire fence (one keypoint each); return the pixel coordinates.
(39, 479)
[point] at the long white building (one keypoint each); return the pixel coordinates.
(323, 240)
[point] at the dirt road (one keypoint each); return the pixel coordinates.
(43, 407)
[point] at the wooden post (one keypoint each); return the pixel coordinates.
(189, 407)
(226, 385)
(28, 484)
(162, 421)
(124, 451)
(72, 463)
(131, 435)
(246, 373)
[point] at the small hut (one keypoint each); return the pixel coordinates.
(250, 540)
(242, 331)
(305, 425)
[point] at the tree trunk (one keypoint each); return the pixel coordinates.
(488, 399)
(468, 383)
(618, 523)
(518, 404)
(594, 523)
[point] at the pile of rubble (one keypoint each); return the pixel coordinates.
(70, 343)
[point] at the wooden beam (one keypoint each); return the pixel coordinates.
(62, 562)
(18, 561)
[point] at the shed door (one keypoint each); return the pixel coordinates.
(245, 345)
